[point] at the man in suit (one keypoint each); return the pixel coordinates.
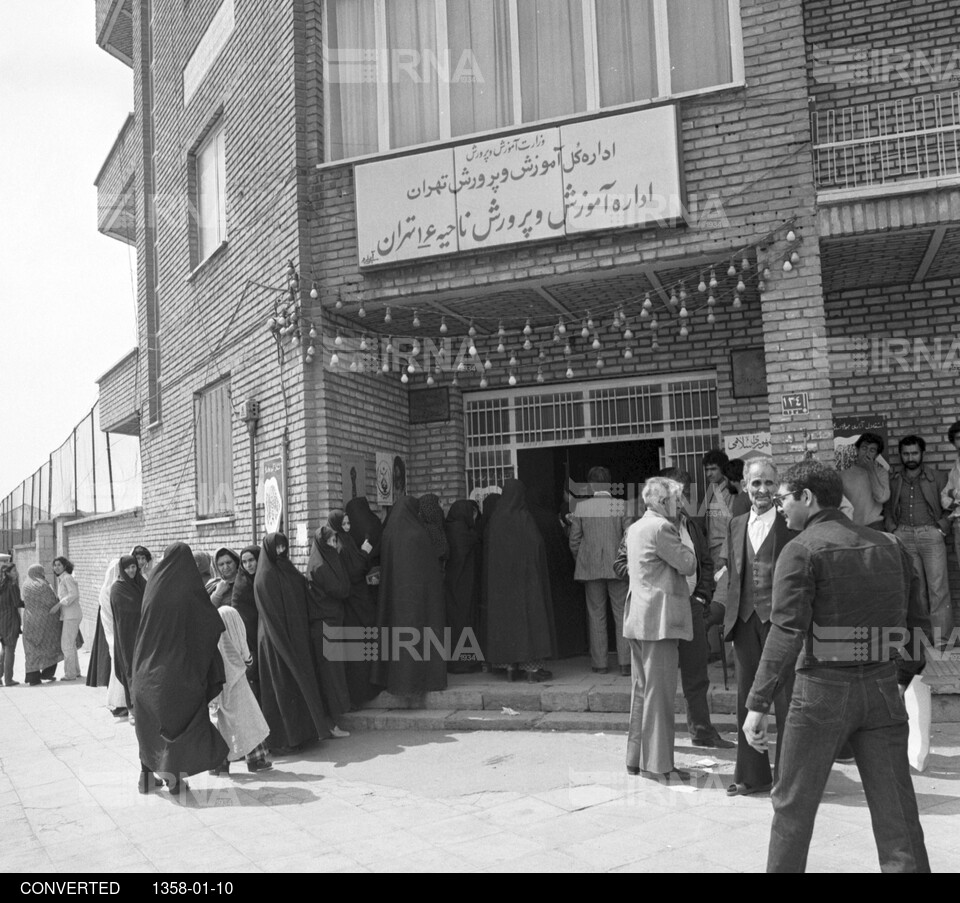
(754, 543)
(596, 528)
(914, 513)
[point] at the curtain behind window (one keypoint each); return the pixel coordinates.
(414, 90)
(700, 54)
(627, 51)
(551, 58)
(479, 34)
(351, 91)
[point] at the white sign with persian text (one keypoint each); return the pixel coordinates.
(213, 41)
(748, 445)
(616, 172)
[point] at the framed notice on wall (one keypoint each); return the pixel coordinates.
(749, 369)
(429, 405)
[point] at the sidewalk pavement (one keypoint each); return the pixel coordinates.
(409, 801)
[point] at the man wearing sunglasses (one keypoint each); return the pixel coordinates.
(754, 543)
(846, 601)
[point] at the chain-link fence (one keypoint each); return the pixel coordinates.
(92, 472)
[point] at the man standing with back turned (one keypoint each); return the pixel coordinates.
(837, 583)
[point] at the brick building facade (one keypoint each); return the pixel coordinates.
(875, 244)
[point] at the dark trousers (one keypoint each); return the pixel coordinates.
(695, 680)
(6, 661)
(753, 768)
(34, 677)
(860, 705)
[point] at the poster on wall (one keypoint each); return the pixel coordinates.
(354, 471)
(273, 492)
(744, 446)
(846, 432)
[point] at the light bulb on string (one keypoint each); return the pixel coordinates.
(456, 382)
(732, 272)
(528, 345)
(596, 343)
(745, 265)
(444, 329)
(431, 382)
(390, 345)
(599, 362)
(314, 293)
(647, 303)
(415, 351)
(411, 367)
(405, 379)
(513, 361)
(512, 380)
(654, 324)
(585, 332)
(711, 301)
(795, 258)
(540, 378)
(361, 313)
(616, 319)
(683, 293)
(388, 317)
(791, 237)
(461, 367)
(787, 266)
(484, 382)
(628, 335)
(713, 280)
(702, 287)
(488, 364)
(656, 345)
(556, 336)
(339, 304)
(542, 356)
(473, 350)
(570, 373)
(761, 286)
(472, 331)
(334, 360)
(313, 331)
(501, 332)
(501, 348)
(766, 273)
(568, 349)
(711, 319)
(684, 313)
(742, 287)
(562, 327)
(737, 302)
(590, 323)
(416, 320)
(528, 329)
(628, 354)
(354, 367)
(385, 368)
(338, 341)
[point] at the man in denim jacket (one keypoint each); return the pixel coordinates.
(845, 600)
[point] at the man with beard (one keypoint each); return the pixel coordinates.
(915, 514)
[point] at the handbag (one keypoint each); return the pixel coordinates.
(79, 639)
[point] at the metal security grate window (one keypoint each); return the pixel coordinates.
(214, 451)
(681, 410)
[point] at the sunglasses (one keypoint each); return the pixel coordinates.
(778, 499)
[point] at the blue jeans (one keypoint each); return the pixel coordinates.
(929, 554)
(859, 705)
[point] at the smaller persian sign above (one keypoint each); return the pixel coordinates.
(213, 41)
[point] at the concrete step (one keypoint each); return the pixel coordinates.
(576, 699)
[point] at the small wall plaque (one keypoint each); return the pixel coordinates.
(429, 406)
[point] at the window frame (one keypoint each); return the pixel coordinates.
(591, 74)
(214, 131)
(222, 457)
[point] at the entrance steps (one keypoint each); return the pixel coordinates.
(575, 699)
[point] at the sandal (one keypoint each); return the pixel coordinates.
(741, 789)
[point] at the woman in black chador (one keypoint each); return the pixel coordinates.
(462, 577)
(289, 695)
(126, 606)
(359, 543)
(245, 605)
(520, 630)
(569, 606)
(411, 605)
(177, 670)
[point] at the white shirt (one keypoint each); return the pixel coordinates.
(759, 527)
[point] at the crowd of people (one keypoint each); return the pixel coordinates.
(222, 659)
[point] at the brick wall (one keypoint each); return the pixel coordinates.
(747, 152)
(910, 373)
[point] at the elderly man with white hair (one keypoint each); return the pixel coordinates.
(656, 617)
(754, 543)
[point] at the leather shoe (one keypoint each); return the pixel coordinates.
(715, 743)
(600, 670)
(625, 671)
(742, 789)
(676, 775)
(633, 769)
(538, 677)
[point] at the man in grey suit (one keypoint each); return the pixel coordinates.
(754, 543)
(596, 528)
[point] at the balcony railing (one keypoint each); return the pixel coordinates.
(882, 144)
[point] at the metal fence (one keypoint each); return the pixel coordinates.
(892, 141)
(92, 472)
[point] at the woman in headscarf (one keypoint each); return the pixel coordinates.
(329, 590)
(205, 567)
(360, 607)
(116, 695)
(10, 603)
(177, 671)
(227, 563)
(289, 695)
(365, 526)
(520, 630)
(411, 599)
(70, 614)
(569, 606)
(238, 717)
(656, 616)
(431, 516)
(462, 577)
(144, 560)
(244, 603)
(41, 627)
(126, 606)
(489, 505)
(100, 664)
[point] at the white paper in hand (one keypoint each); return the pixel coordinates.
(917, 700)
